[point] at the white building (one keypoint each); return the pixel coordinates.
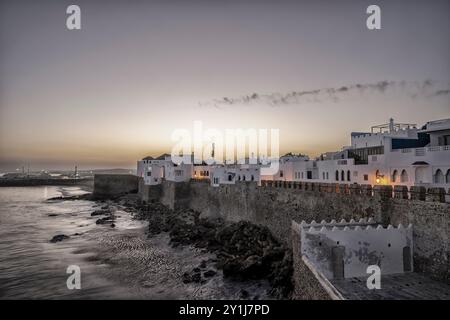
(230, 174)
(397, 154)
(290, 168)
(155, 170)
(392, 153)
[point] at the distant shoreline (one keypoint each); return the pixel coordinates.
(34, 182)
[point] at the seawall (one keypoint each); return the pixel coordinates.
(276, 205)
(114, 185)
(30, 182)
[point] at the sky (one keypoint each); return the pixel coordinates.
(114, 91)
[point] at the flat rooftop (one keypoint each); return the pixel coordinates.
(407, 286)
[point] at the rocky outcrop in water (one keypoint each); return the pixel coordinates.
(59, 237)
(100, 212)
(86, 196)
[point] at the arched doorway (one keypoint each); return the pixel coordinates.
(439, 177)
(421, 175)
(394, 176)
(404, 176)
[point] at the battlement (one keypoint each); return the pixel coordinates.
(345, 249)
(381, 191)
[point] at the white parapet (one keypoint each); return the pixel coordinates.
(346, 249)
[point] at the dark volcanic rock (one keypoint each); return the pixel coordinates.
(59, 237)
(86, 196)
(209, 273)
(104, 220)
(193, 276)
(244, 250)
(100, 212)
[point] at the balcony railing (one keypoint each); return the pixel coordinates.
(422, 151)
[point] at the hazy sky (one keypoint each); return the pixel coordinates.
(113, 92)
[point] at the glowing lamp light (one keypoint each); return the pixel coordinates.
(378, 178)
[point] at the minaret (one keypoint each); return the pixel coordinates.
(391, 125)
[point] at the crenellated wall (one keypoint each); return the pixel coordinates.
(277, 204)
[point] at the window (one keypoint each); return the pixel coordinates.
(302, 174)
(444, 140)
(366, 177)
(323, 175)
(348, 175)
(447, 176)
(281, 173)
(327, 175)
(253, 178)
(404, 176)
(394, 176)
(342, 175)
(439, 177)
(337, 175)
(243, 177)
(230, 177)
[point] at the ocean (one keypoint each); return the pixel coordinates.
(115, 263)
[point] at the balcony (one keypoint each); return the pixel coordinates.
(424, 150)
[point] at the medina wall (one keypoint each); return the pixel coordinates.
(113, 185)
(277, 204)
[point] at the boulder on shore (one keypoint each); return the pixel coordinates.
(104, 220)
(59, 237)
(100, 212)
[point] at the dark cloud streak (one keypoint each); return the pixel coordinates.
(411, 88)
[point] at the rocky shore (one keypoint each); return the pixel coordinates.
(243, 251)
